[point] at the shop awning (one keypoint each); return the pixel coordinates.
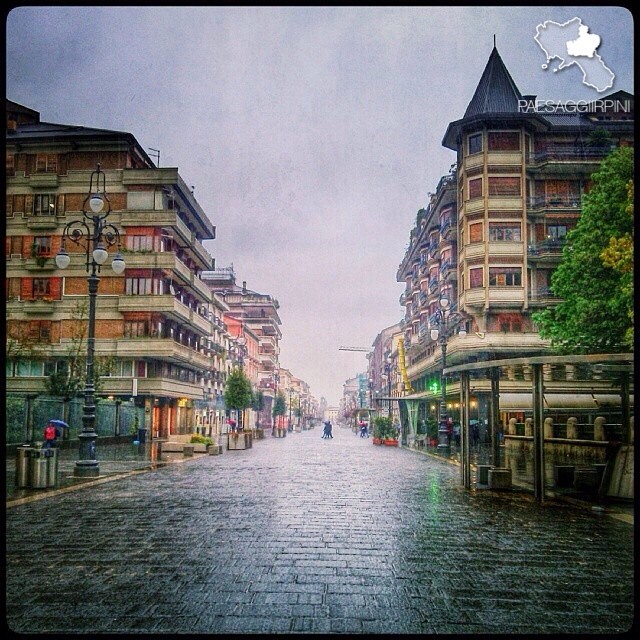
(559, 401)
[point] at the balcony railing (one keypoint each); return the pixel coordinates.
(554, 202)
(551, 245)
(563, 154)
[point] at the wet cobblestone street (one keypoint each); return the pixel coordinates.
(302, 534)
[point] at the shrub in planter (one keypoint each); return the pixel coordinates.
(198, 439)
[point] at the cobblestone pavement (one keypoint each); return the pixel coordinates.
(301, 534)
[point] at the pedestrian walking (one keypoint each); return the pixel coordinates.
(364, 430)
(51, 435)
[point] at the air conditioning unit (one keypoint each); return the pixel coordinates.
(16, 255)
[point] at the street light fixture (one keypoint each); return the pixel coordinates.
(95, 234)
(439, 332)
(387, 369)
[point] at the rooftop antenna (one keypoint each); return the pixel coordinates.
(156, 154)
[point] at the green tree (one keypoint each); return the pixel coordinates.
(257, 404)
(68, 383)
(619, 256)
(238, 394)
(593, 316)
(280, 405)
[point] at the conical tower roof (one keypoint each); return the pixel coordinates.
(496, 92)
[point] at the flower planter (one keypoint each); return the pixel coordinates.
(376, 440)
(238, 441)
(389, 442)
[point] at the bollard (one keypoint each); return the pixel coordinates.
(187, 450)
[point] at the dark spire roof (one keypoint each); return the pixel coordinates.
(496, 92)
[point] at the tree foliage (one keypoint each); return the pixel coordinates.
(238, 393)
(597, 295)
(280, 405)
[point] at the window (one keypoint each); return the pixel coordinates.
(41, 287)
(139, 243)
(505, 276)
(11, 167)
(504, 232)
(475, 188)
(29, 368)
(40, 331)
(46, 163)
(55, 366)
(44, 204)
(476, 277)
(503, 141)
(504, 186)
(475, 143)
(42, 246)
(556, 231)
(136, 329)
(138, 286)
(13, 246)
(475, 232)
(121, 369)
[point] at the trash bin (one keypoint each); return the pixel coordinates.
(22, 466)
(38, 469)
(52, 467)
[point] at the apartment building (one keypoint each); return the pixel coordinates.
(493, 231)
(157, 324)
(258, 313)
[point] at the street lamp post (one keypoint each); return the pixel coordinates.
(387, 370)
(95, 234)
(439, 333)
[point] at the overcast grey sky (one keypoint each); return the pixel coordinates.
(312, 135)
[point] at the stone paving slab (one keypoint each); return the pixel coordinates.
(305, 535)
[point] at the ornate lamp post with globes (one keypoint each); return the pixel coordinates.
(439, 332)
(95, 234)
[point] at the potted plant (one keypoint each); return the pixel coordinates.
(385, 431)
(432, 432)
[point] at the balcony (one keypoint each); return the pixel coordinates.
(545, 250)
(542, 296)
(540, 204)
(40, 263)
(167, 305)
(162, 349)
(39, 306)
(37, 223)
(572, 157)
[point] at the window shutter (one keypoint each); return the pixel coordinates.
(55, 288)
(28, 205)
(26, 288)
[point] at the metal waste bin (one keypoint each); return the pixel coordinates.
(52, 466)
(38, 469)
(22, 466)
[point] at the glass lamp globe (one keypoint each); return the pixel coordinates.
(96, 203)
(118, 264)
(434, 334)
(444, 302)
(100, 254)
(62, 259)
